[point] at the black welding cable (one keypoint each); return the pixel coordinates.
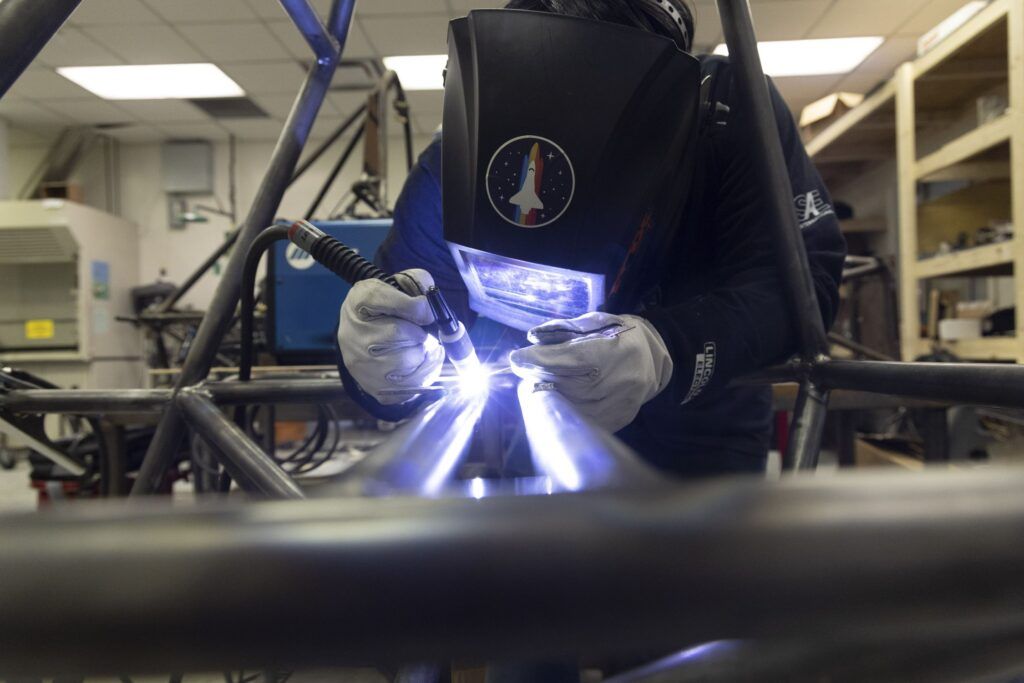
(263, 241)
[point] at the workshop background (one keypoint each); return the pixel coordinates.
(912, 136)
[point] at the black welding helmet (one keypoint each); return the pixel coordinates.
(568, 150)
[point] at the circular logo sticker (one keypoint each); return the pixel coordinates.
(297, 258)
(530, 181)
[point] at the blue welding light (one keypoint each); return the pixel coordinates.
(476, 488)
(457, 438)
(522, 294)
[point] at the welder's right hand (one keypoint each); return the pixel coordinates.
(382, 340)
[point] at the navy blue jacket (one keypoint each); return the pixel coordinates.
(721, 308)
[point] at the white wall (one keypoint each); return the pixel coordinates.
(4, 174)
(173, 254)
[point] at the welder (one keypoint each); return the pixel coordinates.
(601, 219)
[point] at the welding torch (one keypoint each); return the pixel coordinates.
(347, 264)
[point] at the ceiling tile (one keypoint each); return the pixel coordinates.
(865, 18)
(136, 133)
(162, 111)
(409, 35)
(93, 12)
(356, 45)
(208, 130)
(805, 88)
(277, 106)
(236, 42)
(893, 52)
(786, 19)
(146, 44)
(71, 47)
(254, 129)
(202, 11)
(31, 115)
(347, 101)
(46, 84)
(930, 15)
(266, 77)
(375, 7)
(93, 111)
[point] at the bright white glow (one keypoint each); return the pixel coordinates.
(812, 57)
(949, 25)
(452, 445)
(476, 488)
(419, 72)
(547, 444)
(153, 81)
(474, 378)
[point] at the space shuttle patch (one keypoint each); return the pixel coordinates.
(530, 181)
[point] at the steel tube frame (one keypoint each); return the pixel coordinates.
(420, 457)
(246, 462)
(279, 172)
(508, 577)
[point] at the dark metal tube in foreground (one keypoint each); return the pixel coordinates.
(575, 454)
(244, 460)
(755, 109)
(987, 384)
(277, 391)
(26, 26)
(859, 555)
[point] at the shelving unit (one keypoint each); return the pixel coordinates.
(920, 127)
(933, 94)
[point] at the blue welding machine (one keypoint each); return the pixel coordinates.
(304, 298)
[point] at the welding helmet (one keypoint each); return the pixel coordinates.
(568, 151)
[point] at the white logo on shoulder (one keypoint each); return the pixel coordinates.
(811, 207)
(703, 371)
(297, 258)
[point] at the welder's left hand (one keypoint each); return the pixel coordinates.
(607, 365)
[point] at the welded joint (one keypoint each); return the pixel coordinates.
(194, 391)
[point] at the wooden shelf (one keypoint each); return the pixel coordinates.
(966, 146)
(983, 349)
(864, 117)
(968, 261)
(857, 225)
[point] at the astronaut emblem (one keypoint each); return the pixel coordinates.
(530, 181)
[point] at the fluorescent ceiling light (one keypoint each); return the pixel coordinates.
(153, 81)
(813, 57)
(419, 72)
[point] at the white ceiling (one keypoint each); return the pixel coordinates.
(256, 44)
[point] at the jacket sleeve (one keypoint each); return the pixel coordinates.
(741, 322)
(416, 239)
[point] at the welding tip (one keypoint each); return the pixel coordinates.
(452, 334)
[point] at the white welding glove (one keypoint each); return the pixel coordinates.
(607, 365)
(382, 339)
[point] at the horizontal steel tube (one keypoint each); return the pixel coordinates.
(506, 577)
(277, 391)
(572, 452)
(85, 402)
(976, 383)
(244, 460)
(421, 456)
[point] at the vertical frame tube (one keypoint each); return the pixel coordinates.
(268, 198)
(26, 26)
